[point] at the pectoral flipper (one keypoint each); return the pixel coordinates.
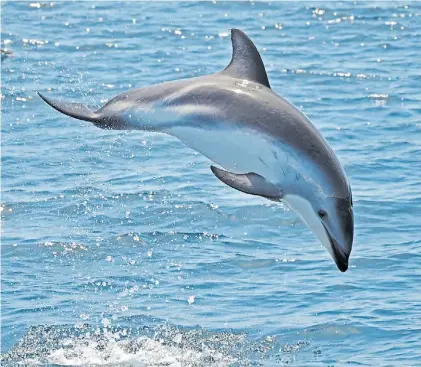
(249, 183)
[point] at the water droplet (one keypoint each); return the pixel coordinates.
(106, 322)
(178, 338)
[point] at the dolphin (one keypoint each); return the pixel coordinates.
(263, 143)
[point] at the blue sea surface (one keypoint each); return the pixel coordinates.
(122, 248)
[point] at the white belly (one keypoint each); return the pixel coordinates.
(237, 150)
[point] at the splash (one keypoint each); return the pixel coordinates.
(163, 345)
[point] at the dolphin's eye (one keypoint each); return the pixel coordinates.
(322, 213)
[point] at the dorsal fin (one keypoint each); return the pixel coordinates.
(246, 62)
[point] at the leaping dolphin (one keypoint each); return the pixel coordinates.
(265, 144)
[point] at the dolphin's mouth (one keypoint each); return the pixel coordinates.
(340, 259)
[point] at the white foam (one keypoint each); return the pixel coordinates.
(140, 352)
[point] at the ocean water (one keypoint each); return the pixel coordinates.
(123, 249)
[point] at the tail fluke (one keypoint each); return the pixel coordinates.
(76, 110)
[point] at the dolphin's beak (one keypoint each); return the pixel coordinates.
(336, 233)
(340, 258)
